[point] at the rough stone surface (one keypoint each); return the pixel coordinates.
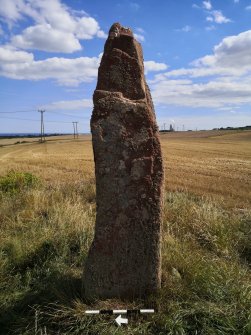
(124, 260)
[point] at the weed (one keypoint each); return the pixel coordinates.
(14, 182)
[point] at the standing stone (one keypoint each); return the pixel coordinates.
(124, 259)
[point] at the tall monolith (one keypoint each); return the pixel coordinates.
(124, 260)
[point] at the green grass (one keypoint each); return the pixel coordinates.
(45, 233)
(15, 182)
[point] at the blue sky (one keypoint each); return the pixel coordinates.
(197, 60)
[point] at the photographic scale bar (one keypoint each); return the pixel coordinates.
(120, 311)
(119, 320)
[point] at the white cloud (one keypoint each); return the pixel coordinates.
(212, 15)
(11, 9)
(21, 65)
(134, 6)
(198, 72)
(139, 34)
(207, 5)
(227, 108)
(44, 37)
(151, 66)
(53, 12)
(232, 53)
(248, 8)
(212, 94)
(68, 105)
(226, 78)
(101, 34)
(185, 29)
(218, 17)
(139, 37)
(236, 1)
(9, 55)
(210, 28)
(54, 23)
(140, 30)
(209, 19)
(86, 28)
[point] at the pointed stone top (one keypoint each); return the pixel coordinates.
(117, 30)
(122, 68)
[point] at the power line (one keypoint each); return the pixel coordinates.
(58, 121)
(58, 113)
(42, 132)
(29, 111)
(72, 115)
(16, 118)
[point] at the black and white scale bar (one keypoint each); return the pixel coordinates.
(120, 311)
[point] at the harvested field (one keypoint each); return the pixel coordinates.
(214, 163)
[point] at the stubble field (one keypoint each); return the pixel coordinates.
(214, 163)
(46, 227)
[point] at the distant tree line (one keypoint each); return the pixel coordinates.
(234, 128)
(29, 135)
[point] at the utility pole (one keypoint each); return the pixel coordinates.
(43, 130)
(75, 128)
(42, 136)
(164, 126)
(183, 127)
(76, 123)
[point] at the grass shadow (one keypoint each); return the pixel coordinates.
(58, 289)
